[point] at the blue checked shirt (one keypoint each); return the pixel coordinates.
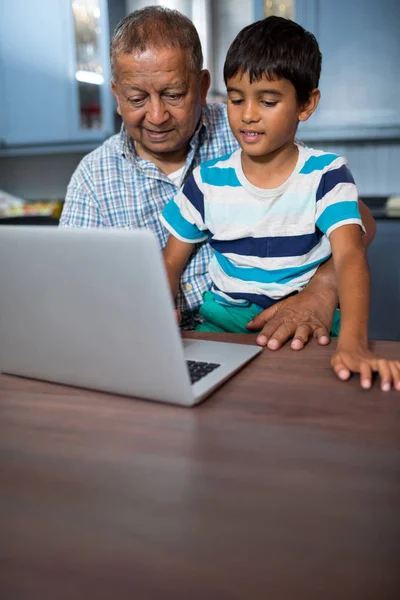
(113, 187)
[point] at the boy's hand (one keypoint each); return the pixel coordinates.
(178, 316)
(347, 360)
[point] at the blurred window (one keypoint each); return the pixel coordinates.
(89, 71)
(279, 8)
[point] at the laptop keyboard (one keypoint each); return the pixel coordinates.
(199, 369)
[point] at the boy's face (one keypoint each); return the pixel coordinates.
(263, 115)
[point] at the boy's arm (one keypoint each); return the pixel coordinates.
(352, 353)
(183, 217)
(326, 274)
(176, 254)
(310, 312)
(353, 286)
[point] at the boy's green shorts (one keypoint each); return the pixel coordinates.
(233, 319)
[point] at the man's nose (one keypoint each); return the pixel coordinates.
(250, 112)
(156, 112)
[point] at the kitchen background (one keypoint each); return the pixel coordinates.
(55, 102)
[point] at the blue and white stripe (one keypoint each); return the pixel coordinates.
(267, 243)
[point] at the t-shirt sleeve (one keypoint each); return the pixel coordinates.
(184, 215)
(337, 199)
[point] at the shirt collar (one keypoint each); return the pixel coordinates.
(127, 145)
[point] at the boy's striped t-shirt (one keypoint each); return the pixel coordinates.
(267, 243)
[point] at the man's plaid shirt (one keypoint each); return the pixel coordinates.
(113, 187)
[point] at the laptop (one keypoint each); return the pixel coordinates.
(92, 308)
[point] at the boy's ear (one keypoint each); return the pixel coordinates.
(307, 109)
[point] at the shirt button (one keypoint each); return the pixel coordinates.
(188, 287)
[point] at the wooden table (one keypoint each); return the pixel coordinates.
(284, 485)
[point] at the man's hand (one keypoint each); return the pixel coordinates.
(310, 312)
(307, 314)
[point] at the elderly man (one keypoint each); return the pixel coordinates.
(168, 129)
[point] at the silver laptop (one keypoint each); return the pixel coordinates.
(92, 308)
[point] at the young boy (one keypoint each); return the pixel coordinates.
(274, 210)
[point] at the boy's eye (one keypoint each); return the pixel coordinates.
(235, 100)
(269, 104)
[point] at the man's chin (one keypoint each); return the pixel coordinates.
(159, 148)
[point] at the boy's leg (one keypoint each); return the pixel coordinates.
(335, 327)
(228, 319)
(210, 327)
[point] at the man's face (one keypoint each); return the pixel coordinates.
(159, 100)
(263, 115)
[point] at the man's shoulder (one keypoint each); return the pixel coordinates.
(215, 118)
(216, 113)
(110, 150)
(98, 167)
(219, 139)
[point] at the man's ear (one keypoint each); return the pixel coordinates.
(307, 109)
(205, 81)
(114, 91)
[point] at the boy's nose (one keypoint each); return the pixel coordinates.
(250, 113)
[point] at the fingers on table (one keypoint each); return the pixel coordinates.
(322, 335)
(340, 368)
(365, 375)
(395, 370)
(388, 370)
(301, 336)
(274, 335)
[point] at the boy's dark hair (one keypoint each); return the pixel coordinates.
(156, 27)
(276, 47)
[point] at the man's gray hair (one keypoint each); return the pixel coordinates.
(156, 27)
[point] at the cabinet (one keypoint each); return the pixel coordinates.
(41, 98)
(360, 83)
(383, 258)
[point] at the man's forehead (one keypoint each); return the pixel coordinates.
(171, 62)
(158, 67)
(162, 81)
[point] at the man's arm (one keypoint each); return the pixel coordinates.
(81, 208)
(310, 312)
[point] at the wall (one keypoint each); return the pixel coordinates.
(46, 177)
(38, 177)
(360, 87)
(228, 18)
(375, 164)
(196, 10)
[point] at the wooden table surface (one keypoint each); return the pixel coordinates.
(285, 484)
